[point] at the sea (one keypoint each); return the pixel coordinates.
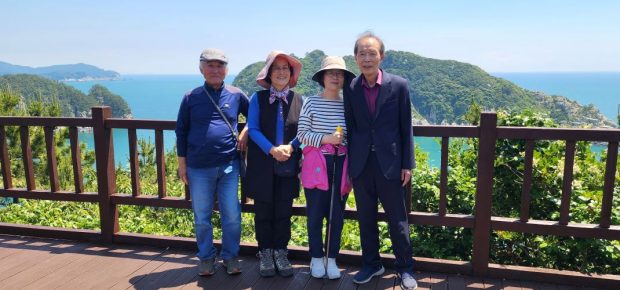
(158, 97)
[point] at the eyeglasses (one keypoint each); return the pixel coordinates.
(280, 68)
(335, 73)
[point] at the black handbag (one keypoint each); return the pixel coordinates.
(242, 156)
(288, 168)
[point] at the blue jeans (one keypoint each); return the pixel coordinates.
(204, 183)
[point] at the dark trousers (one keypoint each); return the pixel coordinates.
(317, 209)
(272, 219)
(370, 187)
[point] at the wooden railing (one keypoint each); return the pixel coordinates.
(481, 222)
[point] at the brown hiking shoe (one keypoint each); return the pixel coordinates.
(232, 266)
(284, 266)
(206, 267)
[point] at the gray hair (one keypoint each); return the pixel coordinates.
(369, 34)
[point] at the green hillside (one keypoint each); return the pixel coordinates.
(443, 90)
(78, 71)
(72, 101)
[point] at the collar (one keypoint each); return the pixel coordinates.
(211, 89)
(379, 79)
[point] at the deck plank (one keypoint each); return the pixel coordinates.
(177, 270)
(440, 281)
(425, 280)
(74, 269)
(36, 263)
(493, 284)
(284, 282)
(249, 277)
(42, 268)
(26, 258)
(140, 273)
(474, 283)
(388, 281)
(511, 285)
(7, 246)
(116, 262)
(301, 278)
(456, 282)
(346, 281)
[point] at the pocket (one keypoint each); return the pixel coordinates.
(390, 100)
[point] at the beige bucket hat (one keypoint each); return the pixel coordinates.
(264, 73)
(331, 62)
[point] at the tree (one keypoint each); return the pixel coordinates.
(472, 116)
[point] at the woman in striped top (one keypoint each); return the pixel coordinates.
(322, 130)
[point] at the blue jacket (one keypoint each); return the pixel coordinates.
(202, 135)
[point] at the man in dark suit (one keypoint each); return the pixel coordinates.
(380, 143)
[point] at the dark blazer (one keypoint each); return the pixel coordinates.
(389, 130)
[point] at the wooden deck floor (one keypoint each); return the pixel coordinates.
(34, 263)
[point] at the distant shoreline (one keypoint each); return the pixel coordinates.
(90, 79)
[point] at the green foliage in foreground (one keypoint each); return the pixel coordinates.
(585, 255)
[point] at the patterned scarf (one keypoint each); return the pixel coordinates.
(274, 94)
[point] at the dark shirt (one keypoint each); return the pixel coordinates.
(371, 93)
(202, 135)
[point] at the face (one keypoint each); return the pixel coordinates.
(214, 72)
(368, 56)
(280, 73)
(333, 79)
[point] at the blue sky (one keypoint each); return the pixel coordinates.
(166, 37)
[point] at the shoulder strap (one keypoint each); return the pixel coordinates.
(217, 107)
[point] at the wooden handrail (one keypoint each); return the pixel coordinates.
(481, 221)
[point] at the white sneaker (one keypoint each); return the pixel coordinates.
(407, 282)
(332, 269)
(317, 267)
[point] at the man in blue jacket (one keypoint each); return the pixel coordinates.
(209, 161)
(380, 138)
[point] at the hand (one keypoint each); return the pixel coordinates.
(183, 170)
(405, 176)
(289, 148)
(242, 143)
(281, 152)
(333, 138)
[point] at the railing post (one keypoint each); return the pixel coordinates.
(5, 161)
(484, 187)
(106, 176)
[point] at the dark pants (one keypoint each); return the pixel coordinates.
(272, 219)
(317, 209)
(370, 187)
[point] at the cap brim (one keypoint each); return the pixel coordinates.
(214, 59)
